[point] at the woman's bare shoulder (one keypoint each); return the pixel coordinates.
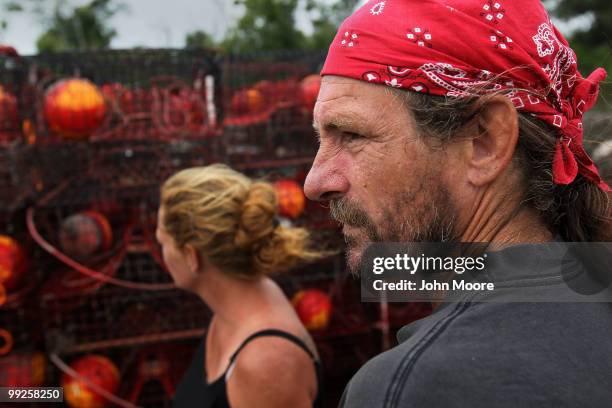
(272, 371)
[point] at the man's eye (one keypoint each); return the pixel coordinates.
(351, 135)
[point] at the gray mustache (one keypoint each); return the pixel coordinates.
(347, 213)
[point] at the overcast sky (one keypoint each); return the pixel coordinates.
(158, 23)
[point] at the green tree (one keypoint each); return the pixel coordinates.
(265, 25)
(600, 31)
(271, 25)
(325, 20)
(199, 39)
(593, 44)
(82, 28)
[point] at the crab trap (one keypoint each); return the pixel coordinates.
(267, 102)
(22, 364)
(13, 74)
(118, 95)
(93, 136)
(85, 314)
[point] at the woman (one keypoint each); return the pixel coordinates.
(220, 240)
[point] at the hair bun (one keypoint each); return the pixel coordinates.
(230, 219)
(256, 222)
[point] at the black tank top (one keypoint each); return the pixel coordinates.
(195, 391)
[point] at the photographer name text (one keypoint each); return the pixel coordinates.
(408, 285)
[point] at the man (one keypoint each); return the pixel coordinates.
(460, 120)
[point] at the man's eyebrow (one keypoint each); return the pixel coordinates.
(335, 123)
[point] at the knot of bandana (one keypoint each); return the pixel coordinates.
(465, 48)
(570, 157)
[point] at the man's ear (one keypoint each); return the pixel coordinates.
(192, 258)
(492, 148)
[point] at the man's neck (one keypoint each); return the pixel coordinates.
(505, 222)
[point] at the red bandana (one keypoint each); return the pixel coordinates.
(453, 47)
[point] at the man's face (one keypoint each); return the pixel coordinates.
(383, 183)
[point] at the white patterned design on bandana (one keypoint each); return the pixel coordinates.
(564, 60)
(455, 80)
(378, 8)
(545, 40)
(493, 11)
(420, 36)
(399, 71)
(500, 40)
(349, 39)
(394, 83)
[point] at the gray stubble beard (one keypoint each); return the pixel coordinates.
(434, 218)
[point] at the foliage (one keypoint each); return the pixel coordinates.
(327, 21)
(265, 25)
(592, 44)
(83, 28)
(271, 25)
(199, 39)
(600, 32)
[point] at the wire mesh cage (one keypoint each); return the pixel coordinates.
(144, 376)
(268, 100)
(102, 131)
(83, 314)
(121, 165)
(23, 368)
(19, 311)
(12, 199)
(19, 268)
(94, 217)
(13, 74)
(21, 361)
(99, 223)
(114, 95)
(16, 181)
(144, 336)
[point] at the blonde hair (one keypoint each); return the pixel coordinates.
(231, 219)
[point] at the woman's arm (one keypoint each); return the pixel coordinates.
(272, 372)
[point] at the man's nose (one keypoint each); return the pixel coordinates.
(325, 181)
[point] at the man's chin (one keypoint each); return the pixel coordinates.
(354, 253)
(356, 243)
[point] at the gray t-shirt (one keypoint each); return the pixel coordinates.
(471, 353)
